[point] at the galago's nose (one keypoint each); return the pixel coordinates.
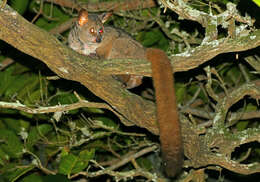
(99, 39)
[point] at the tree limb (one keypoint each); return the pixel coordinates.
(38, 43)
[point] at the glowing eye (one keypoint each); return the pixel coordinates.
(92, 30)
(100, 31)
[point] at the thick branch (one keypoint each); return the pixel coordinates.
(186, 60)
(95, 76)
(252, 89)
(193, 57)
(38, 43)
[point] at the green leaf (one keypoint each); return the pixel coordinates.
(84, 157)
(12, 124)
(56, 13)
(251, 107)
(151, 38)
(87, 155)
(36, 133)
(15, 125)
(241, 125)
(67, 164)
(3, 157)
(144, 163)
(14, 172)
(32, 83)
(93, 110)
(33, 178)
(33, 97)
(6, 79)
(17, 84)
(19, 6)
(71, 164)
(180, 91)
(257, 2)
(55, 178)
(106, 121)
(64, 98)
(64, 152)
(11, 144)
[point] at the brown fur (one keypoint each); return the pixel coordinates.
(117, 44)
(90, 37)
(167, 115)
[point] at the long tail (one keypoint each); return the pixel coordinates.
(167, 115)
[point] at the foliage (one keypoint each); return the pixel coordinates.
(19, 6)
(42, 147)
(257, 2)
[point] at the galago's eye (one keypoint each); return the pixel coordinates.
(101, 31)
(91, 30)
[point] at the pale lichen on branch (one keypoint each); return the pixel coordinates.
(209, 148)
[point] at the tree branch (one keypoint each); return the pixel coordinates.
(188, 60)
(38, 43)
(132, 109)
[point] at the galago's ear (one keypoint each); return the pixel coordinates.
(104, 16)
(83, 17)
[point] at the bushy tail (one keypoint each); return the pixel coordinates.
(167, 115)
